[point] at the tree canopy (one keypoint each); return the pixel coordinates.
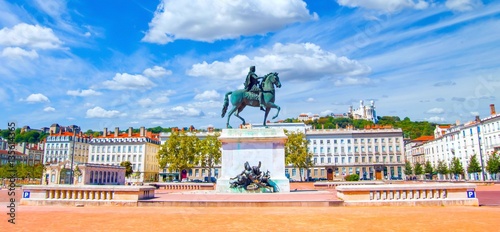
(493, 164)
(179, 152)
(210, 152)
(428, 169)
(418, 169)
(128, 168)
(456, 166)
(408, 168)
(296, 151)
(474, 166)
(442, 168)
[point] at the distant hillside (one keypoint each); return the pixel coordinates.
(410, 129)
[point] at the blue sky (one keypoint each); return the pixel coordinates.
(137, 63)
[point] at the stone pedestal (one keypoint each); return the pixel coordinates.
(253, 145)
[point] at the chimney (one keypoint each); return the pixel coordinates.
(492, 109)
(142, 131)
(116, 131)
(457, 123)
(130, 132)
(105, 132)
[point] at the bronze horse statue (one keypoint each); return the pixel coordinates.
(241, 98)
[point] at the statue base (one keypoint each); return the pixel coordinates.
(253, 145)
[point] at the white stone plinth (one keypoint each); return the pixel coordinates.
(253, 145)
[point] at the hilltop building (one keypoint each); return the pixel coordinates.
(363, 112)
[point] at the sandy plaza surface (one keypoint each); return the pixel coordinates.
(113, 218)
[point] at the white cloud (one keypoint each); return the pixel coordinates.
(463, 5)
(17, 52)
(295, 61)
(88, 104)
(474, 113)
(123, 81)
(87, 34)
(207, 95)
(98, 112)
(26, 35)
(156, 72)
(49, 109)
(222, 19)
(310, 99)
(385, 5)
(36, 97)
(352, 81)
(53, 8)
(435, 119)
(145, 102)
(190, 112)
(83, 93)
(326, 113)
(435, 111)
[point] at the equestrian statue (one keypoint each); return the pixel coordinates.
(256, 94)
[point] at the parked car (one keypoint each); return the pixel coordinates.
(212, 179)
(197, 181)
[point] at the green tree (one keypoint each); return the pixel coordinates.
(456, 167)
(408, 168)
(22, 170)
(493, 165)
(297, 153)
(4, 171)
(179, 152)
(473, 166)
(210, 153)
(418, 169)
(38, 170)
(128, 168)
(442, 168)
(428, 169)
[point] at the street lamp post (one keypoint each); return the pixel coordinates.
(72, 157)
(480, 150)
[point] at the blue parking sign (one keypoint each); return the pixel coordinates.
(471, 194)
(26, 194)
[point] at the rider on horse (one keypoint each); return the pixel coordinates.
(252, 84)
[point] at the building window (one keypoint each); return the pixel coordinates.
(322, 160)
(294, 172)
(329, 160)
(315, 172)
(92, 158)
(203, 172)
(322, 172)
(196, 173)
(336, 159)
(315, 160)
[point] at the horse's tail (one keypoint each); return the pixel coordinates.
(226, 104)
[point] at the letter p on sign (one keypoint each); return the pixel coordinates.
(471, 194)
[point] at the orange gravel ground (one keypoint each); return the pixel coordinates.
(56, 218)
